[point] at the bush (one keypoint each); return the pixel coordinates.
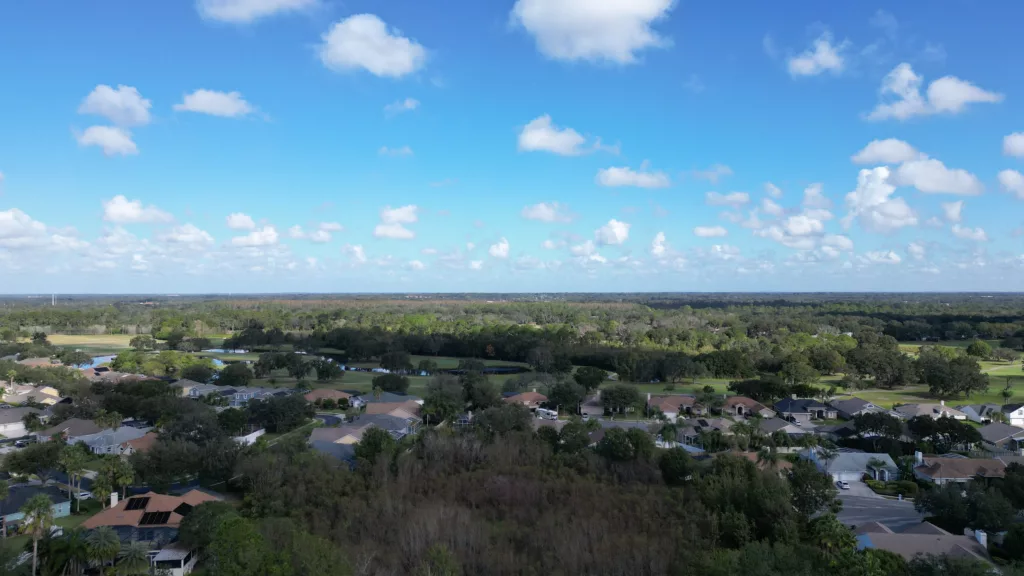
(875, 485)
(906, 487)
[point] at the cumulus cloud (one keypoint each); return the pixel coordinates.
(189, 236)
(355, 253)
(547, 212)
(772, 190)
(499, 250)
(1013, 144)
(902, 98)
(320, 235)
(476, 265)
(713, 173)
(814, 198)
(240, 221)
(407, 105)
(888, 151)
(120, 210)
(587, 252)
(19, 230)
(363, 41)
(883, 257)
(612, 233)
(214, 103)
(710, 231)
(610, 30)
(734, 199)
(266, 236)
(113, 141)
(837, 241)
(967, 233)
(1013, 182)
(541, 135)
(771, 208)
(873, 206)
(124, 106)
(822, 56)
(916, 251)
(953, 210)
(933, 177)
(415, 265)
(245, 11)
(392, 221)
(624, 176)
(659, 246)
(393, 231)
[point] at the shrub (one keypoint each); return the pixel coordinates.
(906, 487)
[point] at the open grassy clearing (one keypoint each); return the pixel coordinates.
(446, 362)
(98, 344)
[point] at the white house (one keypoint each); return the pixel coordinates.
(852, 466)
(1015, 414)
(11, 424)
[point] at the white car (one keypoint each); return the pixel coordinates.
(84, 495)
(843, 485)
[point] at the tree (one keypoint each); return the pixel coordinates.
(108, 420)
(989, 510)
(38, 458)
(74, 358)
(197, 530)
(235, 374)
(439, 561)
(38, 511)
(831, 536)
(39, 339)
(11, 375)
(104, 545)
(233, 421)
(32, 422)
(947, 505)
(480, 393)
(142, 343)
(947, 566)
(133, 560)
(72, 461)
(444, 399)
(5, 491)
(119, 472)
(237, 549)
(1013, 542)
(616, 445)
(619, 397)
(198, 373)
(428, 366)
(376, 443)
(979, 349)
(566, 394)
(101, 489)
(397, 361)
(391, 383)
(327, 370)
(590, 378)
(504, 418)
(676, 466)
(812, 491)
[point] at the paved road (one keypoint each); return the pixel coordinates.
(329, 419)
(896, 515)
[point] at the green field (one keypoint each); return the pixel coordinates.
(98, 344)
(912, 347)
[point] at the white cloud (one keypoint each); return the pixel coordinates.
(124, 106)
(609, 30)
(838, 241)
(402, 151)
(1013, 144)
(408, 214)
(888, 151)
(331, 227)
(916, 251)
(803, 225)
(393, 231)
(113, 141)
(547, 212)
(266, 236)
(355, 253)
(214, 103)
(967, 233)
(139, 263)
(771, 208)
(499, 250)
(901, 92)
(476, 265)
(1012, 181)
(932, 177)
(883, 257)
(19, 230)
(415, 265)
(528, 263)
(659, 246)
(713, 173)
(470, 246)
(245, 11)
(541, 135)
(886, 22)
(364, 41)
(874, 207)
(612, 233)
(625, 176)
(734, 199)
(552, 244)
(710, 231)
(240, 221)
(400, 106)
(190, 236)
(821, 57)
(782, 236)
(120, 210)
(587, 252)
(953, 210)
(814, 198)
(429, 251)
(772, 190)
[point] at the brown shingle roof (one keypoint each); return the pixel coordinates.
(527, 398)
(961, 468)
(325, 393)
(410, 406)
(144, 443)
(671, 402)
(120, 516)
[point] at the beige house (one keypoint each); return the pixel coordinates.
(935, 411)
(21, 393)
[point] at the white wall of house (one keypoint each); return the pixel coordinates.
(13, 430)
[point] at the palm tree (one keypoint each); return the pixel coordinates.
(72, 460)
(124, 475)
(133, 560)
(101, 489)
(11, 374)
(5, 491)
(669, 433)
(768, 458)
(38, 513)
(104, 545)
(68, 555)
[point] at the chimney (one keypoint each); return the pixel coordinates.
(113, 498)
(981, 537)
(648, 397)
(918, 458)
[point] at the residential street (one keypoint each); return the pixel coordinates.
(896, 515)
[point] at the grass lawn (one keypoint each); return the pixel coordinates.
(444, 362)
(303, 430)
(67, 523)
(912, 347)
(98, 344)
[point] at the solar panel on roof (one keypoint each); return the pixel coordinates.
(137, 503)
(183, 509)
(152, 518)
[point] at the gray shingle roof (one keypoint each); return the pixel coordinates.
(997, 432)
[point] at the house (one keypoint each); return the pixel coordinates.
(186, 385)
(935, 411)
(38, 362)
(10, 508)
(352, 433)
(23, 393)
(250, 438)
(944, 469)
(803, 410)
(770, 426)
(852, 466)
(980, 413)
(152, 518)
(235, 396)
(531, 399)
(675, 405)
(139, 445)
(999, 437)
(71, 430)
(321, 394)
(11, 424)
(837, 432)
(849, 408)
(388, 397)
(923, 539)
(407, 409)
(175, 560)
(1014, 414)
(743, 406)
(110, 441)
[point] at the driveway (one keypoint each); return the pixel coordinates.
(859, 489)
(329, 419)
(858, 510)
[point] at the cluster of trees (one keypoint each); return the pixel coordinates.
(163, 363)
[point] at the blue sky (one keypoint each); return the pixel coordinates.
(519, 145)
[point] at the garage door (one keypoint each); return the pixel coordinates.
(847, 476)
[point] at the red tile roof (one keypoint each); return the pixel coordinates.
(119, 516)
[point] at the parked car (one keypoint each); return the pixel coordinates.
(21, 443)
(84, 495)
(843, 485)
